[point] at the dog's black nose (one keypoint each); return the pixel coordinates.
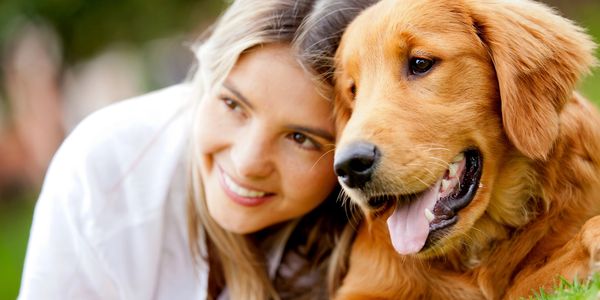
(355, 164)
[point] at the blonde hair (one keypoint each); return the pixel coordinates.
(317, 43)
(244, 25)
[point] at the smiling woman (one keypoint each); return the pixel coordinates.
(265, 145)
(243, 150)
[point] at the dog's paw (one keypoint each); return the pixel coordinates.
(591, 241)
(591, 233)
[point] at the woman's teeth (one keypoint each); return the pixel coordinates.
(240, 191)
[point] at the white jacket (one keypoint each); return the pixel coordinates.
(110, 222)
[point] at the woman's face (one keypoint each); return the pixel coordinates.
(266, 142)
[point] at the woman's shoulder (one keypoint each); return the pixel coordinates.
(119, 131)
(114, 195)
(127, 151)
(138, 115)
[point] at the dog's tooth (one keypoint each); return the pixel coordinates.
(459, 157)
(445, 185)
(453, 168)
(429, 215)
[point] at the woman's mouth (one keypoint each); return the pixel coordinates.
(420, 220)
(242, 195)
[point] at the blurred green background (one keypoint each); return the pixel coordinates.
(75, 49)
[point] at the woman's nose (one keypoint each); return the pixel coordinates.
(252, 155)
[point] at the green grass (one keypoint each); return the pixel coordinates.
(590, 19)
(15, 221)
(590, 290)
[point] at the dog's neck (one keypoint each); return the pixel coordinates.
(532, 214)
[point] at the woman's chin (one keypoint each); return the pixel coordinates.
(236, 219)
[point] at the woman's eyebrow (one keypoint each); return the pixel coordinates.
(312, 130)
(239, 95)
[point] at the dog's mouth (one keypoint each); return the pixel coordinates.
(420, 220)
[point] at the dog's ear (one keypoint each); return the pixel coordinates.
(539, 57)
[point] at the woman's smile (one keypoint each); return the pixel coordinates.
(242, 195)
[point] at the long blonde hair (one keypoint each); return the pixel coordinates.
(244, 25)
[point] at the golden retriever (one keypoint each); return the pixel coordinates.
(462, 140)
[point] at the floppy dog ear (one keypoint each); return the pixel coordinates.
(539, 57)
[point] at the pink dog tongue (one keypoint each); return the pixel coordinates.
(408, 226)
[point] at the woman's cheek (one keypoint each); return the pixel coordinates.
(210, 130)
(325, 169)
(315, 176)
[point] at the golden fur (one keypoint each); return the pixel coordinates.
(503, 82)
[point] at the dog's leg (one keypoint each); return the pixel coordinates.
(579, 258)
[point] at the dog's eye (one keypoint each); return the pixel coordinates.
(353, 90)
(420, 66)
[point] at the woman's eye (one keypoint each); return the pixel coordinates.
(304, 141)
(231, 104)
(419, 66)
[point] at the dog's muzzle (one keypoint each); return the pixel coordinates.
(355, 164)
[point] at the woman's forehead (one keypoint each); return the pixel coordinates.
(271, 78)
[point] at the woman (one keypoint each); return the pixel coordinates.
(219, 188)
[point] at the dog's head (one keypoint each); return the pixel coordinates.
(432, 95)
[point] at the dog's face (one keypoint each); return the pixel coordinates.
(423, 127)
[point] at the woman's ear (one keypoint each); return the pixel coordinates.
(539, 56)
